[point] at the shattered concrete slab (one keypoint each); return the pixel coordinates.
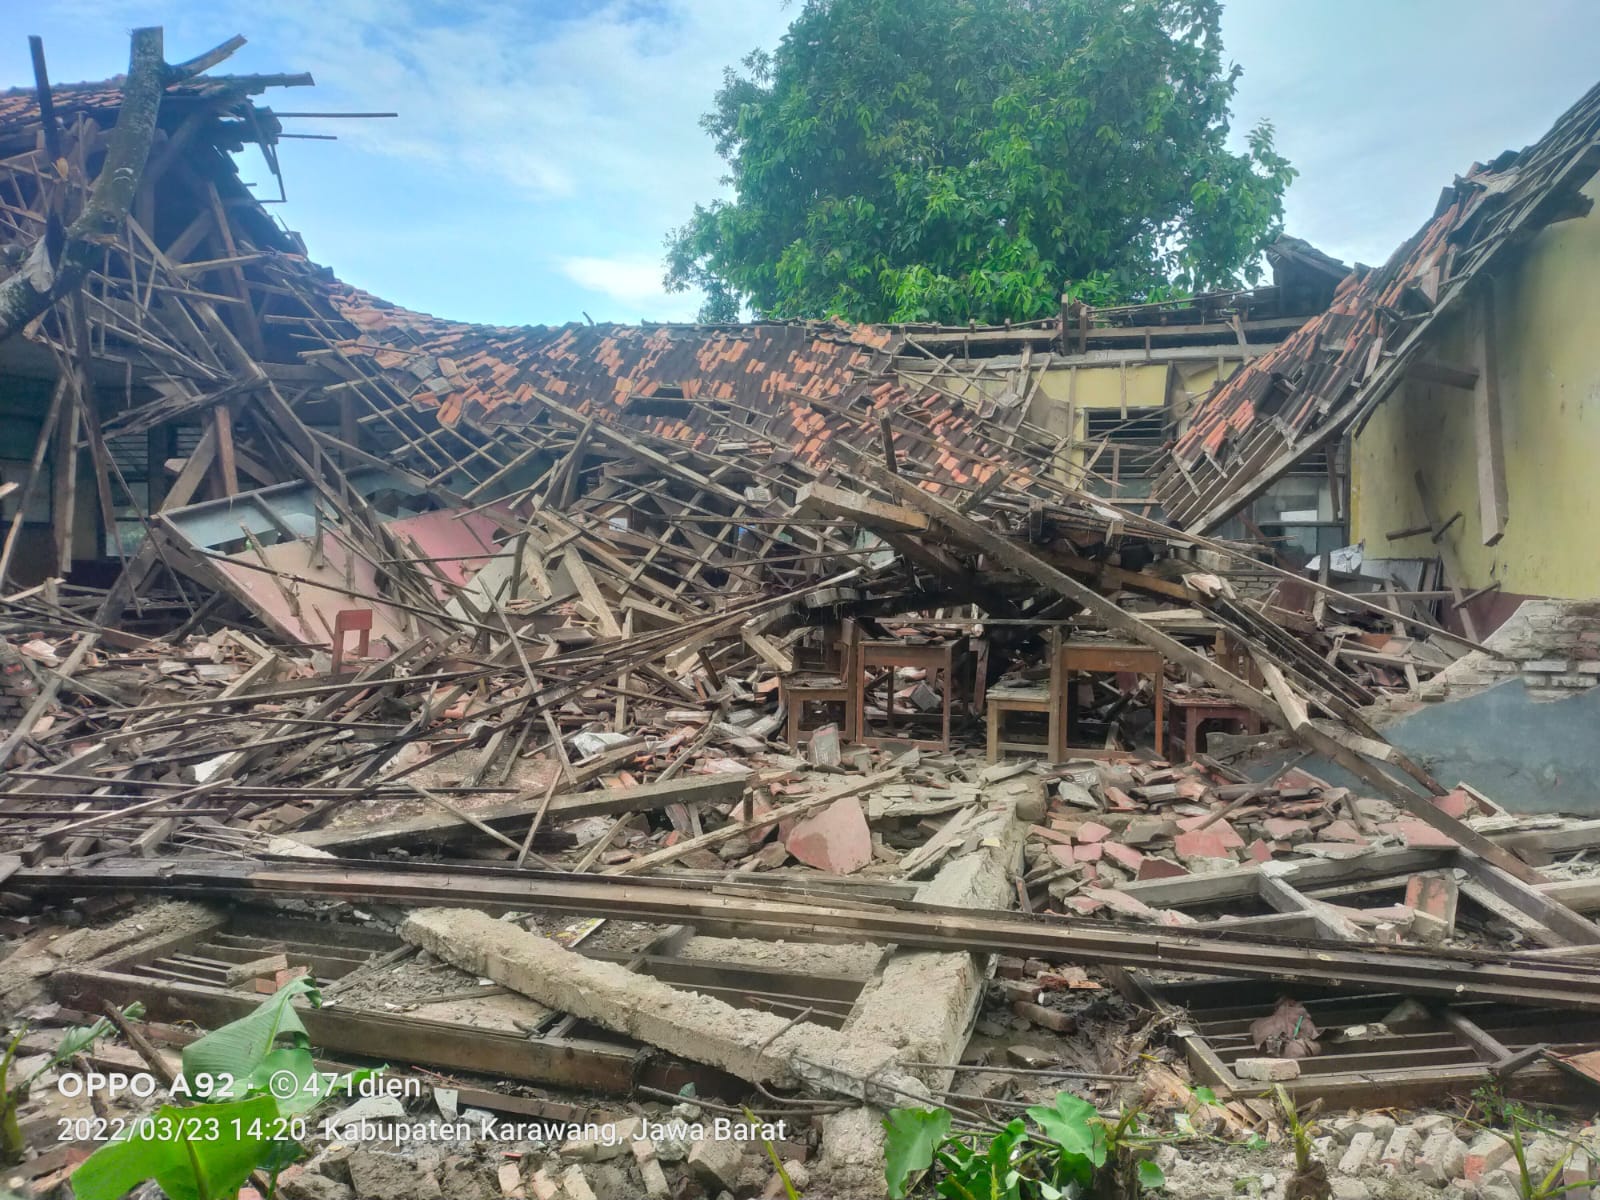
(753, 1045)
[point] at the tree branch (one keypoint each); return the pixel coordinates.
(45, 277)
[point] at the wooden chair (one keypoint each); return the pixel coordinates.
(1044, 698)
(801, 688)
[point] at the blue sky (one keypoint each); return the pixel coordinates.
(544, 148)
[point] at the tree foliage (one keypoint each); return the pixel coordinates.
(955, 160)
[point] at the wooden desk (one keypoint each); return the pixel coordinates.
(1189, 713)
(936, 660)
(1106, 658)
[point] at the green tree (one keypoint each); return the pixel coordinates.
(954, 160)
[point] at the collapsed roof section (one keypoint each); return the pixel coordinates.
(790, 391)
(1328, 375)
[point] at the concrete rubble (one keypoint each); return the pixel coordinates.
(623, 730)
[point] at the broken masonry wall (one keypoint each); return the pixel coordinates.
(1549, 383)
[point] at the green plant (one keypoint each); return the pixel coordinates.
(1550, 1184)
(1500, 1110)
(14, 1094)
(947, 160)
(1310, 1178)
(790, 1192)
(258, 1078)
(1075, 1150)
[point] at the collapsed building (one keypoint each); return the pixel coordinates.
(813, 695)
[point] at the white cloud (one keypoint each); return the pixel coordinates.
(634, 282)
(599, 107)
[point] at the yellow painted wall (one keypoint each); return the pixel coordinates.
(1065, 392)
(1548, 339)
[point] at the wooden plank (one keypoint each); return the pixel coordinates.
(767, 651)
(1492, 499)
(736, 828)
(47, 695)
(1286, 898)
(589, 594)
(1539, 906)
(744, 910)
(227, 459)
(434, 831)
(852, 506)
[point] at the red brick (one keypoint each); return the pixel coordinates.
(1204, 843)
(1156, 867)
(1456, 804)
(1088, 853)
(1084, 905)
(1341, 831)
(1418, 835)
(1261, 851)
(1021, 989)
(1092, 831)
(1063, 855)
(1283, 829)
(1123, 856)
(836, 839)
(1118, 799)
(1047, 1018)
(1123, 903)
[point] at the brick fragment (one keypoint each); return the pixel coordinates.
(1457, 804)
(1203, 843)
(1342, 831)
(1156, 867)
(1285, 829)
(1486, 1152)
(1123, 903)
(1354, 1159)
(1123, 856)
(1441, 1158)
(1046, 1018)
(1271, 1070)
(1399, 1151)
(1418, 835)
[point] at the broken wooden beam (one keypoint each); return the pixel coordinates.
(433, 830)
(749, 912)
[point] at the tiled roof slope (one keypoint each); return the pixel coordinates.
(493, 374)
(19, 107)
(1332, 371)
(815, 389)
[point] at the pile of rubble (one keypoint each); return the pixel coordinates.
(560, 700)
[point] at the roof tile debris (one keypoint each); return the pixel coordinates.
(1330, 373)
